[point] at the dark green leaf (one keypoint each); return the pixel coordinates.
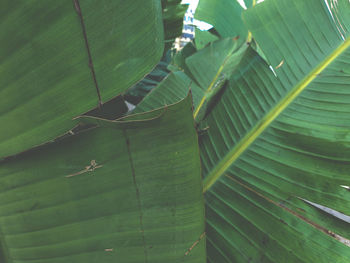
(173, 15)
(119, 193)
(45, 73)
(136, 93)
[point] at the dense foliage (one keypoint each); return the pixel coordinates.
(239, 153)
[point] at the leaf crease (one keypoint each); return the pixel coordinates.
(91, 65)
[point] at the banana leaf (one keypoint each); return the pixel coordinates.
(203, 38)
(205, 72)
(60, 59)
(224, 16)
(263, 201)
(173, 88)
(278, 140)
(173, 14)
(122, 192)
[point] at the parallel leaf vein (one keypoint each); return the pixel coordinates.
(255, 132)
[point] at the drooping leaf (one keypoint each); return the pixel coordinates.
(122, 192)
(211, 67)
(46, 75)
(272, 140)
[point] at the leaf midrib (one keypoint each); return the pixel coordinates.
(255, 132)
(209, 89)
(211, 85)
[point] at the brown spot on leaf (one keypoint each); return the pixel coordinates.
(280, 64)
(93, 166)
(195, 243)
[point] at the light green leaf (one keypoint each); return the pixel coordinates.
(119, 193)
(46, 76)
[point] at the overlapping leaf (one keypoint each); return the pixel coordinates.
(136, 93)
(174, 88)
(122, 192)
(224, 15)
(205, 73)
(46, 75)
(203, 38)
(173, 15)
(274, 139)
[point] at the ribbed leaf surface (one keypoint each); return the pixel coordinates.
(136, 93)
(204, 79)
(171, 90)
(272, 139)
(224, 15)
(119, 193)
(46, 75)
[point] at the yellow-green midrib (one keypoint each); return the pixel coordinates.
(257, 130)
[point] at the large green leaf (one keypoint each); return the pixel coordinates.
(47, 73)
(173, 15)
(122, 192)
(224, 15)
(275, 139)
(247, 208)
(204, 79)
